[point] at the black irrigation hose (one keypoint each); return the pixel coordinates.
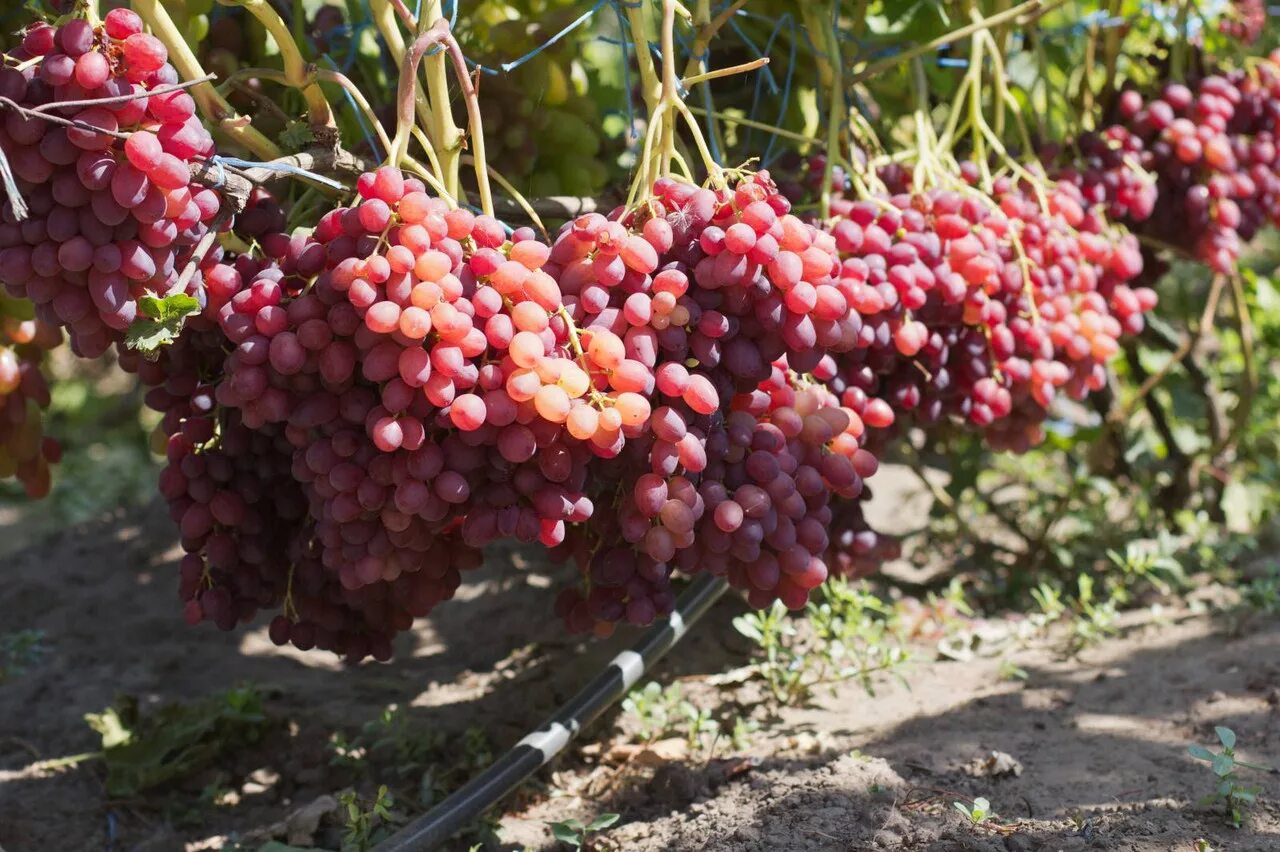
(538, 748)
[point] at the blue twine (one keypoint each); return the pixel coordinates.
(236, 162)
(581, 19)
(222, 173)
(785, 102)
(751, 46)
(623, 29)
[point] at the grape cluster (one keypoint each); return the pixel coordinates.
(983, 308)
(1207, 152)
(25, 452)
(541, 122)
(1244, 20)
(408, 382)
(113, 213)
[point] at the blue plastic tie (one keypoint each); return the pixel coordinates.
(236, 162)
(581, 19)
(623, 29)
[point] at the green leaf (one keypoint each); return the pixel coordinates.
(296, 136)
(1223, 764)
(161, 322)
(1199, 752)
(569, 832)
(171, 742)
(1226, 736)
(277, 846)
(603, 821)
(747, 627)
(110, 727)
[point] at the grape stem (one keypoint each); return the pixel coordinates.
(450, 155)
(385, 19)
(198, 255)
(707, 28)
(1249, 378)
(831, 65)
(119, 99)
(664, 113)
(880, 66)
(319, 113)
(575, 344)
(211, 103)
(445, 135)
(725, 72)
(16, 201)
(650, 86)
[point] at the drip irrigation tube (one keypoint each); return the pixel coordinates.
(539, 747)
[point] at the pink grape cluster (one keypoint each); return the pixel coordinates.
(110, 219)
(25, 452)
(742, 459)
(427, 384)
(1244, 20)
(983, 308)
(1207, 152)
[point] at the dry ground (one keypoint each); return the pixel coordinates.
(1101, 738)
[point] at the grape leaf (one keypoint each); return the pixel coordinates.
(161, 322)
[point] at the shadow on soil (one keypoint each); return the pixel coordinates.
(104, 595)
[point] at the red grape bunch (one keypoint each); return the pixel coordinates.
(111, 219)
(983, 308)
(431, 384)
(1208, 151)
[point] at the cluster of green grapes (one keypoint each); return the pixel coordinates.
(542, 125)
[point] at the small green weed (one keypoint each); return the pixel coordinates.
(19, 651)
(1234, 796)
(422, 764)
(978, 813)
(1009, 670)
(577, 835)
(849, 633)
(660, 713)
(368, 822)
(143, 751)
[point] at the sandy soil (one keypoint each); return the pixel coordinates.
(1101, 739)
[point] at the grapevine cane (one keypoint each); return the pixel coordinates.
(407, 92)
(445, 135)
(439, 35)
(319, 113)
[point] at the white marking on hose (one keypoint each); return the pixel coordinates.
(631, 665)
(551, 741)
(678, 627)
